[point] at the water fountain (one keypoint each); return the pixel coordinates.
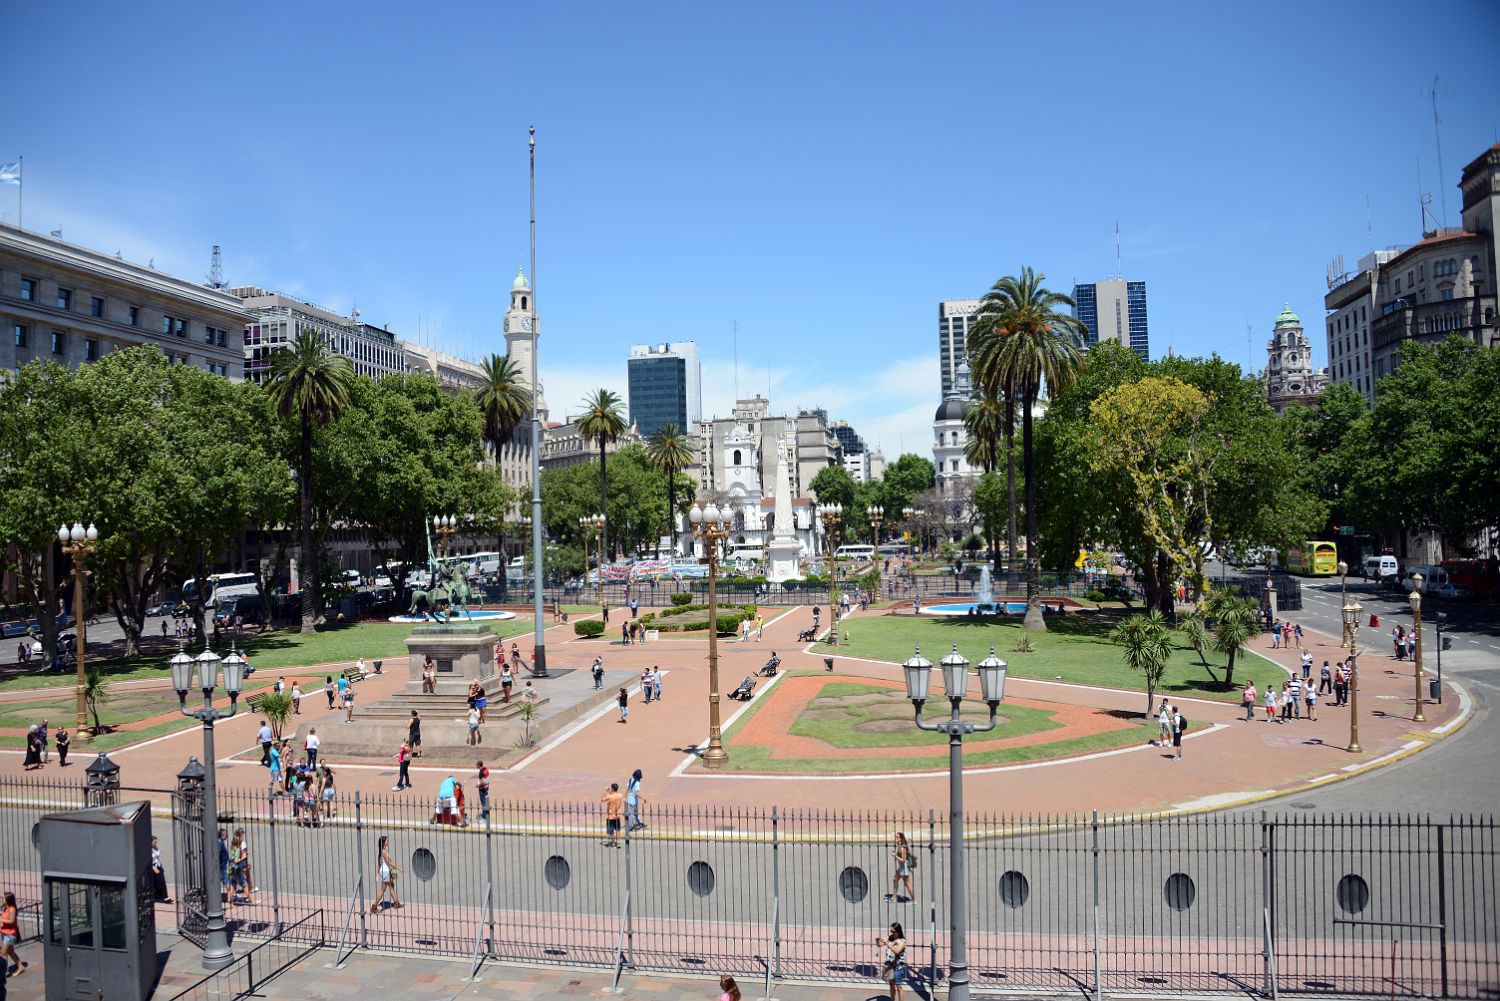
(983, 603)
(986, 591)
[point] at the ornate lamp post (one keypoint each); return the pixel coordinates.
(833, 516)
(877, 515)
(1351, 612)
(910, 514)
(592, 523)
(1344, 598)
(712, 526)
(445, 525)
(1416, 613)
(78, 542)
(956, 681)
(216, 952)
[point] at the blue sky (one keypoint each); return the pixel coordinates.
(821, 173)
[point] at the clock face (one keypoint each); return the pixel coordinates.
(526, 324)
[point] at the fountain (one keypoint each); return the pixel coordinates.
(985, 592)
(984, 603)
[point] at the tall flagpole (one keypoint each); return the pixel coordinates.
(539, 634)
(20, 192)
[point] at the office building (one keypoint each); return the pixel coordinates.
(1350, 304)
(1114, 310)
(1290, 377)
(74, 305)
(816, 446)
(276, 318)
(955, 320)
(665, 386)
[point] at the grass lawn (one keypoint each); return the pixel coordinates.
(1074, 649)
(274, 651)
(850, 714)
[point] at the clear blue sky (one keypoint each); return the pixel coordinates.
(822, 173)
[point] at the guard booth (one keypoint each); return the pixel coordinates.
(99, 921)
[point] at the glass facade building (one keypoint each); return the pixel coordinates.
(1114, 310)
(663, 386)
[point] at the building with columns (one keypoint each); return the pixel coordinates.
(1290, 377)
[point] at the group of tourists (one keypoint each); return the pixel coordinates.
(1284, 634)
(1405, 642)
(37, 753)
(623, 809)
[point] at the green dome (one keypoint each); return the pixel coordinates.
(1287, 318)
(520, 283)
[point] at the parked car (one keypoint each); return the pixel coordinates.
(165, 608)
(1453, 591)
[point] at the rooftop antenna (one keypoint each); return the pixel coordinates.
(216, 269)
(1437, 137)
(1369, 223)
(1119, 268)
(736, 360)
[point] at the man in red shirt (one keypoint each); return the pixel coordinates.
(482, 781)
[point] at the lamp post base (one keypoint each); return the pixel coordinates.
(715, 757)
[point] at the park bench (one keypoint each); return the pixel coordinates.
(254, 701)
(353, 675)
(746, 689)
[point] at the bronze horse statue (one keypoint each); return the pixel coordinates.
(450, 593)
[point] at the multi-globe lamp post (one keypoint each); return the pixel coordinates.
(445, 525)
(1344, 598)
(832, 516)
(216, 951)
(955, 669)
(1415, 598)
(1351, 612)
(591, 524)
(711, 527)
(78, 543)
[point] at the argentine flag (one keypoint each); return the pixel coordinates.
(10, 173)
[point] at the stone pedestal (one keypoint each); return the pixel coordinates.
(464, 653)
(784, 560)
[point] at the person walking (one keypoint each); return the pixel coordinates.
(158, 875)
(656, 682)
(1179, 727)
(1275, 636)
(386, 871)
(224, 871)
(614, 805)
(646, 684)
(1297, 634)
(1398, 638)
(760, 627)
(1249, 697)
(264, 736)
(474, 736)
(349, 704)
(343, 687)
(625, 632)
(1306, 666)
(239, 868)
(403, 765)
(893, 959)
(1163, 724)
(328, 689)
(1271, 702)
(296, 698)
(414, 735)
(33, 759)
(280, 685)
(10, 934)
(326, 792)
(507, 679)
(1311, 698)
(597, 670)
(905, 862)
(41, 733)
(1341, 684)
(1411, 646)
(1325, 680)
(275, 767)
(482, 703)
(729, 990)
(623, 701)
(1294, 694)
(635, 607)
(64, 742)
(482, 783)
(633, 800)
(311, 746)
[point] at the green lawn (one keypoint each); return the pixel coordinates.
(852, 714)
(1075, 649)
(276, 651)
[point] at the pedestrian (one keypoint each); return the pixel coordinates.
(328, 689)
(1275, 636)
(311, 746)
(597, 670)
(729, 990)
(343, 686)
(223, 866)
(414, 735)
(264, 736)
(280, 685)
(1306, 666)
(387, 871)
(1163, 724)
(1286, 701)
(403, 765)
(760, 627)
(1311, 698)
(474, 737)
(1341, 684)
(1398, 637)
(275, 766)
(528, 694)
(239, 868)
(905, 862)
(1286, 635)
(1411, 645)
(482, 783)
(646, 684)
(893, 959)
(604, 610)
(623, 701)
(158, 875)
(635, 607)
(64, 742)
(1297, 633)
(656, 682)
(41, 733)
(482, 703)
(23, 655)
(1294, 693)
(33, 757)
(296, 698)
(1249, 697)
(1271, 702)
(1325, 680)
(633, 800)
(163, 628)
(1179, 727)
(10, 934)
(326, 791)
(506, 681)
(429, 675)
(614, 803)
(625, 632)
(349, 704)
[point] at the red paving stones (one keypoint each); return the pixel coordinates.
(1226, 760)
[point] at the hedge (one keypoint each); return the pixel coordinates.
(682, 598)
(588, 628)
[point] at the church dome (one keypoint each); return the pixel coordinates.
(950, 410)
(1287, 318)
(520, 284)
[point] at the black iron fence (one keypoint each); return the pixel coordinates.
(260, 964)
(1264, 905)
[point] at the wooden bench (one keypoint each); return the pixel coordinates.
(253, 702)
(353, 675)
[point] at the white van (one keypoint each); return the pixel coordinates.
(1434, 579)
(1381, 568)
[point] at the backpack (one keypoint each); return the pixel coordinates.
(1182, 723)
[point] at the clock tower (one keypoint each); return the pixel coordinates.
(521, 326)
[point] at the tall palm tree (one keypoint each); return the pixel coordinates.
(505, 399)
(1029, 345)
(309, 384)
(671, 451)
(990, 326)
(603, 421)
(984, 420)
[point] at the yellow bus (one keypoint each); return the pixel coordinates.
(1315, 559)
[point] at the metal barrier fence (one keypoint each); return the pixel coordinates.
(1264, 905)
(261, 964)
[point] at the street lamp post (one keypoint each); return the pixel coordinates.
(711, 525)
(1440, 618)
(956, 682)
(1351, 612)
(877, 515)
(592, 523)
(1416, 614)
(833, 516)
(216, 951)
(78, 542)
(445, 525)
(1344, 598)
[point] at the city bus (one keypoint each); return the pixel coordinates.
(854, 551)
(1313, 559)
(1481, 577)
(221, 585)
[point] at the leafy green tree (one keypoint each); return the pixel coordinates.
(833, 485)
(1147, 644)
(1030, 346)
(671, 451)
(603, 421)
(310, 386)
(904, 479)
(637, 504)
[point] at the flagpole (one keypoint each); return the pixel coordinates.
(20, 193)
(539, 640)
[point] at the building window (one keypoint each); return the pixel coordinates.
(59, 342)
(166, 325)
(28, 289)
(135, 316)
(64, 298)
(91, 349)
(182, 327)
(208, 335)
(21, 333)
(96, 306)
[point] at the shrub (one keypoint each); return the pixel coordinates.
(682, 598)
(589, 628)
(728, 624)
(1095, 595)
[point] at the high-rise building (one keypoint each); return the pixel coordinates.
(1290, 376)
(955, 320)
(665, 386)
(1350, 303)
(372, 351)
(1114, 310)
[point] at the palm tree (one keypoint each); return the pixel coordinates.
(1148, 647)
(984, 420)
(671, 451)
(1028, 346)
(603, 421)
(990, 325)
(311, 385)
(1234, 626)
(505, 399)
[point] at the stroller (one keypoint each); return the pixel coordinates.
(769, 668)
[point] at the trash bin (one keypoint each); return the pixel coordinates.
(377, 666)
(1433, 692)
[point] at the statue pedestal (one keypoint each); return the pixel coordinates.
(784, 560)
(464, 653)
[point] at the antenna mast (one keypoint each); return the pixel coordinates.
(216, 269)
(1119, 268)
(1437, 136)
(736, 361)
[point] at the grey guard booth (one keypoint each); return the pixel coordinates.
(99, 922)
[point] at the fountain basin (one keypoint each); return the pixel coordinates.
(977, 608)
(479, 615)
